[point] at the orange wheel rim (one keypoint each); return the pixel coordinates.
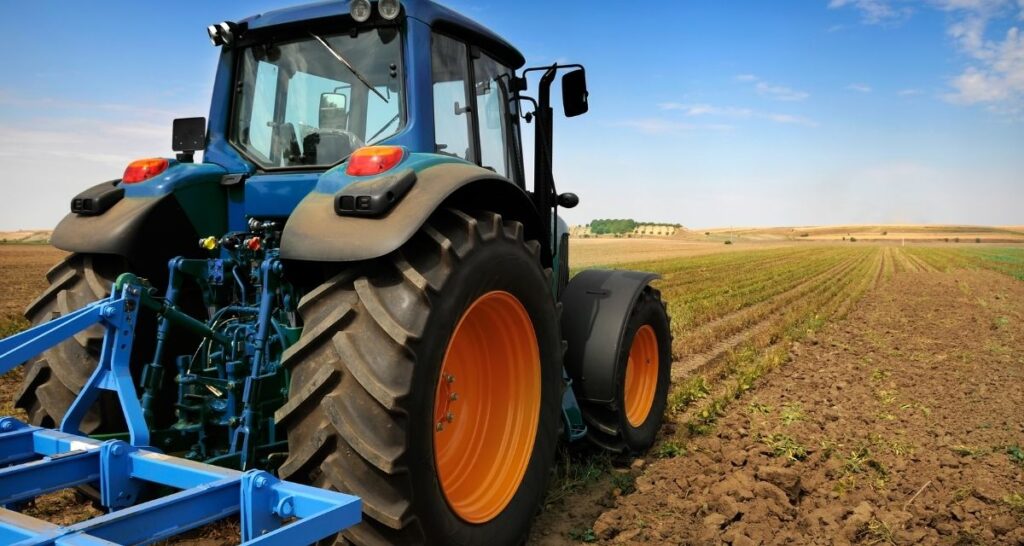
(641, 376)
(487, 407)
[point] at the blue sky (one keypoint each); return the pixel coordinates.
(718, 113)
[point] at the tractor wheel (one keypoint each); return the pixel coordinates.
(631, 423)
(428, 383)
(54, 378)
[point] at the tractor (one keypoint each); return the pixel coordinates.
(355, 288)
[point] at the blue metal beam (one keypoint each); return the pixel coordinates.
(29, 480)
(273, 512)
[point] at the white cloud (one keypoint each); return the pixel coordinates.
(54, 149)
(909, 92)
(771, 90)
(874, 12)
(655, 126)
(994, 75)
(860, 87)
(734, 112)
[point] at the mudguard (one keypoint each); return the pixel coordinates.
(595, 309)
(156, 220)
(315, 231)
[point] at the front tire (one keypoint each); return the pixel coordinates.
(630, 423)
(463, 309)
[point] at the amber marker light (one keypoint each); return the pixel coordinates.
(144, 169)
(374, 160)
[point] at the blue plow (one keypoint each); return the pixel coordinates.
(35, 461)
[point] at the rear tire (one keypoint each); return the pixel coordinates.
(631, 422)
(370, 374)
(54, 378)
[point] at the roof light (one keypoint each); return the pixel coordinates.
(389, 9)
(360, 10)
(144, 169)
(374, 160)
(225, 33)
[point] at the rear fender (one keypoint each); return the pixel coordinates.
(596, 307)
(156, 220)
(315, 232)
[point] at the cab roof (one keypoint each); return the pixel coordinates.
(426, 11)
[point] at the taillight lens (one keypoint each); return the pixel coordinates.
(144, 169)
(374, 160)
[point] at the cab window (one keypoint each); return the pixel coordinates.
(452, 114)
(491, 82)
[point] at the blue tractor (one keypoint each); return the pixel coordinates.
(356, 289)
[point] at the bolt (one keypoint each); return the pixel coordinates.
(450, 417)
(7, 425)
(440, 426)
(450, 378)
(286, 508)
(117, 450)
(260, 482)
(108, 311)
(454, 396)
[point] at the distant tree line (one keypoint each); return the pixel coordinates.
(602, 227)
(627, 225)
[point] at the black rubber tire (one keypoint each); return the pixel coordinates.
(53, 379)
(607, 424)
(360, 410)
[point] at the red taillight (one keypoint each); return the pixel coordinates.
(374, 160)
(144, 169)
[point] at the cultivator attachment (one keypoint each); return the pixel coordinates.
(185, 494)
(271, 511)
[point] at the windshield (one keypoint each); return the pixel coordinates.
(315, 100)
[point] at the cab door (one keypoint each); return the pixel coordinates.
(474, 116)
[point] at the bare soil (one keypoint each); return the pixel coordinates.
(899, 425)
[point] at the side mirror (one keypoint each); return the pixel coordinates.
(333, 111)
(575, 94)
(188, 135)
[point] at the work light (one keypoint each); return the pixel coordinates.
(360, 10)
(389, 9)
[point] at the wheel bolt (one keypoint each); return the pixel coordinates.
(440, 426)
(450, 378)
(454, 396)
(450, 417)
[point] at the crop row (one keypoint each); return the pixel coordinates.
(1004, 260)
(700, 400)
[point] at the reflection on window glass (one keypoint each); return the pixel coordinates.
(492, 100)
(298, 105)
(382, 118)
(451, 113)
(263, 108)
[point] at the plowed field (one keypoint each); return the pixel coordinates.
(822, 394)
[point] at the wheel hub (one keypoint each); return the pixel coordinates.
(487, 407)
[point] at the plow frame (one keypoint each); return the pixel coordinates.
(35, 461)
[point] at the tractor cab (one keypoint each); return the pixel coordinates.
(300, 90)
(302, 98)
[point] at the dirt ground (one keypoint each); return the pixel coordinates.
(901, 424)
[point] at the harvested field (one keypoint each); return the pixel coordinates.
(609, 251)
